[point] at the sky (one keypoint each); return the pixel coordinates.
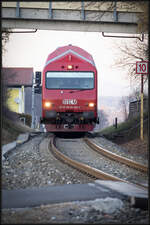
(31, 50)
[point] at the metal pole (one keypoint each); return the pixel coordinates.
(121, 36)
(23, 99)
(50, 10)
(115, 13)
(82, 11)
(116, 122)
(18, 9)
(21, 32)
(141, 134)
(33, 114)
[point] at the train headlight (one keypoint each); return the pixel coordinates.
(70, 67)
(91, 104)
(47, 104)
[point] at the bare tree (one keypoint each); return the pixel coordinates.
(125, 106)
(130, 54)
(136, 96)
(143, 17)
(99, 6)
(110, 6)
(137, 50)
(103, 119)
(4, 90)
(5, 34)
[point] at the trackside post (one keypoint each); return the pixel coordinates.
(142, 69)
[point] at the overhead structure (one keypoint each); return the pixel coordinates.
(102, 16)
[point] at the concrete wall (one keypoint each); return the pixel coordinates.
(98, 6)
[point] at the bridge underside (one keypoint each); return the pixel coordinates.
(69, 20)
(69, 25)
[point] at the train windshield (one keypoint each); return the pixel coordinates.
(70, 80)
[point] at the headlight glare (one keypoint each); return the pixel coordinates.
(47, 104)
(91, 104)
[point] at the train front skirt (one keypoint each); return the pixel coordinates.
(66, 128)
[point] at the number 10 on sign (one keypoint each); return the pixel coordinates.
(142, 67)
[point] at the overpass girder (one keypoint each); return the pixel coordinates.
(69, 20)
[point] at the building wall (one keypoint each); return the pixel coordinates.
(15, 100)
(20, 101)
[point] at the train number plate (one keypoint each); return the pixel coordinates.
(69, 102)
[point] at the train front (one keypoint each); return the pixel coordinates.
(69, 91)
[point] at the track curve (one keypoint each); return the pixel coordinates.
(116, 157)
(86, 168)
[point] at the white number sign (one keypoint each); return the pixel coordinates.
(142, 67)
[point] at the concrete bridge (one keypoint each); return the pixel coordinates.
(112, 17)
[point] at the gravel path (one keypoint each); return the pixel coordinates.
(74, 213)
(29, 165)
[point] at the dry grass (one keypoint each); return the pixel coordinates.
(11, 128)
(137, 146)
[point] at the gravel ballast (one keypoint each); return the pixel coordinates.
(27, 166)
(81, 152)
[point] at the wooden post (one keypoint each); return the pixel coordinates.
(116, 122)
(141, 130)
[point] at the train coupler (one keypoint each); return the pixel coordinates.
(81, 122)
(58, 121)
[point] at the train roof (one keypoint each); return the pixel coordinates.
(64, 50)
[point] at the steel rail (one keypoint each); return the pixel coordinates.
(87, 169)
(116, 157)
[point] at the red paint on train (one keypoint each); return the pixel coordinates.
(69, 91)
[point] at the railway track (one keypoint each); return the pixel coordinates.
(116, 157)
(86, 168)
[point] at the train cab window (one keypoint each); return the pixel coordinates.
(69, 80)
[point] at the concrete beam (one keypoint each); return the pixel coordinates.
(128, 6)
(62, 14)
(66, 25)
(69, 19)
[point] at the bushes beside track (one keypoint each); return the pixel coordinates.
(127, 130)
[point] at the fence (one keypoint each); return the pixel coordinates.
(135, 107)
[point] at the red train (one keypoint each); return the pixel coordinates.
(69, 91)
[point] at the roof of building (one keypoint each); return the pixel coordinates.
(16, 76)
